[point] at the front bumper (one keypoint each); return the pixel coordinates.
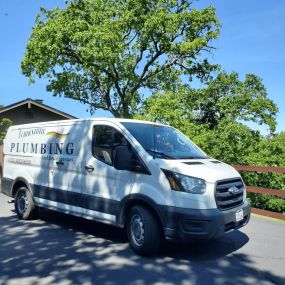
(189, 224)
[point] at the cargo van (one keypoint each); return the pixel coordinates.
(146, 177)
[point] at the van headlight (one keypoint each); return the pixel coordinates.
(184, 183)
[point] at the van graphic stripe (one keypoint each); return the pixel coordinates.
(82, 200)
(57, 135)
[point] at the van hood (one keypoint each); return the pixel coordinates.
(211, 170)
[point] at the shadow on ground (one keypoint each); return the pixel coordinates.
(60, 249)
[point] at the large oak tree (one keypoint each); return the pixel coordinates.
(110, 53)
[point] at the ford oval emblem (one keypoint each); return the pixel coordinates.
(233, 190)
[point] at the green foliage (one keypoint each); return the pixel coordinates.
(215, 117)
(108, 53)
(224, 99)
(228, 98)
(267, 202)
(269, 152)
(4, 125)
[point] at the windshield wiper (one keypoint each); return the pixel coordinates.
(155, 153)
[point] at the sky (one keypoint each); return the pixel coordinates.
(252, 40)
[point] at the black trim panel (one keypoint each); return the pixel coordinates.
(6, 186)
(82, 200)
(91, 202)
(187, 224)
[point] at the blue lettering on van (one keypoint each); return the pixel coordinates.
(12, 147)
(25, 147)
(69, 148)
(58, 148)
(43, 148)
(34, 147)
(50, 148)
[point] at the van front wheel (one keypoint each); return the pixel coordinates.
(24, 204)
(143, 231)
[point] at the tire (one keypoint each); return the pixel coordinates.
(24, 204)
(144, 231)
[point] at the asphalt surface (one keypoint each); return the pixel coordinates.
(60, 249)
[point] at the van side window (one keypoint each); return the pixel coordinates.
(105, 141)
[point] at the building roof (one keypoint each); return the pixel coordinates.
(39, 104)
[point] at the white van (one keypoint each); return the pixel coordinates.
(144, 176)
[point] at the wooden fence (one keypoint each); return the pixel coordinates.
(259, 190)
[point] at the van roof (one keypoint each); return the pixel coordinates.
(88, 119)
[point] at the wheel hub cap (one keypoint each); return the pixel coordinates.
(22, 204)
(137, 230)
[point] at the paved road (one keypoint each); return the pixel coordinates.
(59, 249)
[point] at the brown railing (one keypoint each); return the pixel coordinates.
(259, 190)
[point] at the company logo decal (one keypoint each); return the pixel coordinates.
(46, 148)
(57, 135)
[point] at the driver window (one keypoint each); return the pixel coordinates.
(105, 141)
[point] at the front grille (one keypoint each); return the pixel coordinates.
(226, 199)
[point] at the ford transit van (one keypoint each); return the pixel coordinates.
(146, 177)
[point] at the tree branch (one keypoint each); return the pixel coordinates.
(109, 102)
(70, 52)
(148, 64)
(94, 105)
(134, 68)
(159, 70)
(131, 40)
(155, 44)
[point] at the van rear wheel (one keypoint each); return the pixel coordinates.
(143, 231)
(24, 204)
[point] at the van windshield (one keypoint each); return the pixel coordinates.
(164, 141)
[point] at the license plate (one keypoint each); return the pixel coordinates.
(239, 215)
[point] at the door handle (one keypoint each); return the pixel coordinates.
(60, 163)
(89, 168)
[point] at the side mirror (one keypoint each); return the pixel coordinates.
(126, 159)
